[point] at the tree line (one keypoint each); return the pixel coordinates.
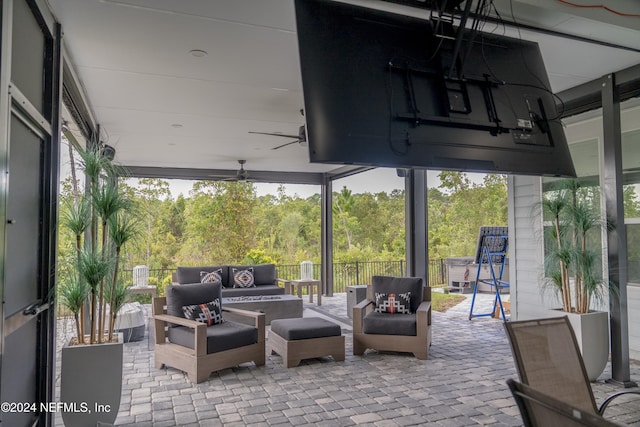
(223, 222)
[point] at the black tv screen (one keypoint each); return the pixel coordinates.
(382, 89)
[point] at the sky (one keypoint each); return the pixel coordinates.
(373, 181)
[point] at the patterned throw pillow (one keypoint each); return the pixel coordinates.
(243, 278)
(393, 303)
(214, 277)
(209, 313)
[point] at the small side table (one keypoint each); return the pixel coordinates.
(290, 285)
(134, 290)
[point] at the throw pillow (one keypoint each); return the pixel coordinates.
(243, 278)
(211, 276)
(393, 303)
(209, 313)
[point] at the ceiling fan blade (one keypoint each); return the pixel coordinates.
(288, 143)
(275, 134)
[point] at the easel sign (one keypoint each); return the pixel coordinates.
(491, 250)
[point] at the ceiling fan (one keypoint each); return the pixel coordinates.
(241, 174)
(301, 138)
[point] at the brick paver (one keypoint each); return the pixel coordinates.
(462, 384)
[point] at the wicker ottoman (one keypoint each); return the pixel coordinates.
(305, 338)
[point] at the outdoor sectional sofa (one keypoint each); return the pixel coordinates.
(264, 278)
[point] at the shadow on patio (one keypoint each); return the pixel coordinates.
(462, 383)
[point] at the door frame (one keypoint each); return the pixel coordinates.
(45, 124)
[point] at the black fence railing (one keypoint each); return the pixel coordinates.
(344, 273)
(348, 273)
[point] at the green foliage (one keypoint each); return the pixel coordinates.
(94, 266)
(441, 302)
(118, 292)
(162, 285)
(76, 216)
(89, 261)
(457, 210)
(572, 243)
(72, 293)
(225, 222)
(258, 256)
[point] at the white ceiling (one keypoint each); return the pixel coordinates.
(133, 59)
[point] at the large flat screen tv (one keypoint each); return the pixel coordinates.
(382, 89)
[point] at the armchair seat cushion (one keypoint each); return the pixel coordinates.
(224, 336)
(389, 324)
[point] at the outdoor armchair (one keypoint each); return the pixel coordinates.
(395, 316)
(548, 359)
(541, 410)
(199, 347)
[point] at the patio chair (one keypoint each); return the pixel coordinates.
(548, 359)
(395, 316)
(541, 410)
(199, 348)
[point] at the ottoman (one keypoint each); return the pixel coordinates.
(305, 338)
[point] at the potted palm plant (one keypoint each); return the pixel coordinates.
(100, 220)
(573, 268)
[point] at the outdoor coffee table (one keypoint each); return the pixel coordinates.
(273, 306)
(289, 286)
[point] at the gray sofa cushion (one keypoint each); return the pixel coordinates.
(396, 285)
(389, 324)
(256, 290)
(198, 293)
(224, 336)
(263, 274)
(305, 328)
(186, 275)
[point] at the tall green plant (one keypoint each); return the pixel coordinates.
(76, 217)
(98, 220)
(122, 229)
(571, 262)
(72, 294)
(107, 202)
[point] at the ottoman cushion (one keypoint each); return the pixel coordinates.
(305, 328)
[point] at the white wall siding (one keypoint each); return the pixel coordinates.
(526, 250)
(633, 298)
(526, 258)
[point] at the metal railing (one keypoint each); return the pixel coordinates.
(360, 272)
(344, 273)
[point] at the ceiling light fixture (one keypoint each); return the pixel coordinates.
(198, 53)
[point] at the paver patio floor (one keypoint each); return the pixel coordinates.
(462, 384)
